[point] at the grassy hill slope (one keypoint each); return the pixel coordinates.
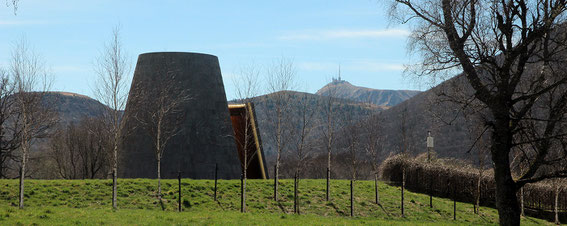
(87, 202)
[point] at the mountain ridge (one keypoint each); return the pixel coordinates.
(382, 97)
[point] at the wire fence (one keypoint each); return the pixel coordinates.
(466, 184)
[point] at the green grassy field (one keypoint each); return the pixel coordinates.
(51, 202)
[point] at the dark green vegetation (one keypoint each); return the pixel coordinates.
(88, 202)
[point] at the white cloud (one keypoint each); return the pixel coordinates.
(317, 66)
(21, 22)
(343, 34)
(360, 65)
(375, 66)
(68, 68)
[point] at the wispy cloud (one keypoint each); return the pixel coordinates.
(343, 34)
(376, 66)
(69, 68)
(360, 65)
(22, 22)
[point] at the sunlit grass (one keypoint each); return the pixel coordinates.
(88, 202)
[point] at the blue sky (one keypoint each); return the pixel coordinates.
(317, 35)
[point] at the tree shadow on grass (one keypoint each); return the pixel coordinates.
(281, 207)
(337, 210)
(220, 205)
(385, 211)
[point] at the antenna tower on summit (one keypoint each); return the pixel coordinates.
(339, 72)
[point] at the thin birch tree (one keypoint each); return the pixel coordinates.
(33, 116)
(113, 68)
(329, 119)
(302, 147)
(373, 147)
(247, 85)
(160, 113)
(280, 78)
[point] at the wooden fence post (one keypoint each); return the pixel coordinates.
(179, 183)
(242, 208)
(454, 201)
(216, 176)
(556, 209)
(351, 199)
(295, 209)
(376, 189)
(430, 192)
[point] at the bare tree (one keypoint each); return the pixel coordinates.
(404, 149)
(247, 85)
(13, 4)
(65, 152)
(373, 147)
(160, 112)
(9, 133)
(280, 78)
(112, 67)
(81, 150)
(329, 109)
(352, 137)
(302, 147)
(512, 54)
(476, 135)
(32, 114)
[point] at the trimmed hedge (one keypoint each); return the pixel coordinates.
(460, 181)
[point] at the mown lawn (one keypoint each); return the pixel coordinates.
(88, 202)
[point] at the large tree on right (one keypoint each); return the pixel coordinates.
(513, 58)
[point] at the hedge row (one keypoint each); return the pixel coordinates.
(460, 182)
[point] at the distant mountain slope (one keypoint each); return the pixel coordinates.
(264, 105)
(72, 107)
(345, 90)
(427, 111)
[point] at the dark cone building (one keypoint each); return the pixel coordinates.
(205, 134)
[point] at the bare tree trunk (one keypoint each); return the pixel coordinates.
(111, 89)
(328, 179)
(245, 176)
(159, 180)
(295, 207)
(522, 201)
(478, 187)
(403, 185)
(506, 199)
(115, 176)
(276, 182)
(24, 146)
(23, 175)
(216, 176)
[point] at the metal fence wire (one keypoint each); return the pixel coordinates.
(442, 181)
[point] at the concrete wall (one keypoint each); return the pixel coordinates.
(207, 136)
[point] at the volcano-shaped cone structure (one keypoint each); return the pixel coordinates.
(186, 92)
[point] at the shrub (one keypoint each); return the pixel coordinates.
(459, 181)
